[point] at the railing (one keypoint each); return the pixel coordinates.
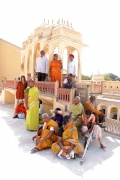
(10, 84)
(112, 126)
(46, 87)
(83, 92)
(64, 94)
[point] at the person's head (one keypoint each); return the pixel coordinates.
(92, 99)
(67, 121)
(45, 117)
(58, 111)
(70, 76)
(71, 57)
(76, 100)
(88, 113)
(55, 57)
(42, 53)
(22, 78)
(31, 82)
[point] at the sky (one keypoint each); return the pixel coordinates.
(97, 20)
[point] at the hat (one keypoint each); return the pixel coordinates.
(71, 55)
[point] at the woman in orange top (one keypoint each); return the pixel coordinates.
(55, 69)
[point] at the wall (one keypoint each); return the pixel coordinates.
(9, 61)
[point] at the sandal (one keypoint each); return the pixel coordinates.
(102, 146)
(34, 150)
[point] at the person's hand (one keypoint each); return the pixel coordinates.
(67, 151)
(83, 133)
(41, 140)
(26, 107)
(33, 138)
(60, 61)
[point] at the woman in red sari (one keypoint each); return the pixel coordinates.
(55, 69)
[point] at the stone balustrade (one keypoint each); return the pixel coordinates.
(112, 126)
(64, 94)
(9, 84)
(48, 88)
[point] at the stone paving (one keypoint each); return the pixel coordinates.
(16, 162)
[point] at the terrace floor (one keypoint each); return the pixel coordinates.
(16, 162)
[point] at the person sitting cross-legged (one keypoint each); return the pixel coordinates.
(47, 134)
(67, 145)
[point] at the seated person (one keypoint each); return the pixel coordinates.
(76, 112)
(57, 116)
(20, 111)
(68, 82)
(99, 115)
(47, 134)
(41, 111)
(88, 121)
(67, 141)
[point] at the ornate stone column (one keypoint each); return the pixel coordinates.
(26, 63)
(79, 65)
(33, 59)
(51, 53)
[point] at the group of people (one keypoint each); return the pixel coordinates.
(61, 133)
(53, 70)
(58, 132)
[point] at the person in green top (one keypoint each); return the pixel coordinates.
(32, 106)
(76, 112)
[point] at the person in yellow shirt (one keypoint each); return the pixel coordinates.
(99, 115)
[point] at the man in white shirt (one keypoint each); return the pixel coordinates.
(42, 66)
(71, 69)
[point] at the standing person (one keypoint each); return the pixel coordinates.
(71, 69)
(19, 97)
(42, 66)
(99, 115)
(55, 69)
(32, 106)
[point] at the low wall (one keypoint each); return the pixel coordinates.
(112, 126)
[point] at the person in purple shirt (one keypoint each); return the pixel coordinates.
(57, 116)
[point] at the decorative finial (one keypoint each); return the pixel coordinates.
(48, 21)
(44, 21)
(62, 21)
(71, 24)
(52, 21)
